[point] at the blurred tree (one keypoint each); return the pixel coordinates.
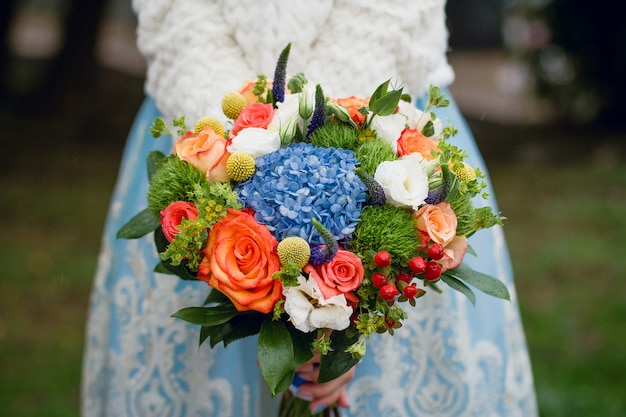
(581, 62)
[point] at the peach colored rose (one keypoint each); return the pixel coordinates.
(353, 104)
(412, 140)
(341, 275)
(240, 259)
(453, 253)
(247, 88)
(438, 220)
(254, 115)
(172, 216)
(206, 151)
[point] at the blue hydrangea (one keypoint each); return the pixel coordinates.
(296, 184)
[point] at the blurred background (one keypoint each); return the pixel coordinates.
(541, 83)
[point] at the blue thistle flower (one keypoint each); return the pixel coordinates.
(294, 185)
(319, 113)
(280, 75)
(320, 254)
(439, 194)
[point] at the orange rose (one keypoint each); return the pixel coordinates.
(439, 221)
(453, 253)
(206, 151)
(353, 104)
(412, 140)
(341, 275)
(240, 259)
(173, 215)
(247, 88)
(254, 115)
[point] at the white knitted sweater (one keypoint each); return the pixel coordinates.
(198, 50)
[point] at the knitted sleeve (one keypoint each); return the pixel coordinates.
(197, 50)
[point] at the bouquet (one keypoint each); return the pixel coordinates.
(316, 221)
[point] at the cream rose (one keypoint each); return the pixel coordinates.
(287, 116)
(308, 310)
(255, 141)
(453, 253)
(206, 151)
(404, 181)
(438, 221)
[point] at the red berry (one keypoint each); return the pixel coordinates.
(410, 291)
(435, 251)
(389, 322)
(388, 292)
(382, 259)
(417, 264)
(403, 276)
(379, 279)
(433, 271)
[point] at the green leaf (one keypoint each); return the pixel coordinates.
(241, 326)
(337, 362)
(485, 283)
(215, 297)
(140, 225)
(162, 268)
(387, 104)
(455, 284)
(153, 161)
(276, 355)
(380, 91)
(302, 351)
(207, 316)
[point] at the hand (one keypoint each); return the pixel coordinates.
(326, 394)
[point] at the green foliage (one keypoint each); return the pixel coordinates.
(483, 282)
(288, 274)
(389, 226)
(276, 355)
(261, 91)
(372, 152)
(140, 225)
(336, 134)
(173, 181)
(159, 127)
(296, 83)
(337, 361)
(465, 214)
(383, 102)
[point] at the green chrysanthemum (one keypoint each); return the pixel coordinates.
(294, 249)
(240, 166)
(174, 180)
(390, 226)
(372, 152)
(336, 135)
(465, 214)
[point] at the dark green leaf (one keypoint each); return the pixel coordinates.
(140, 225)
(429, 129)
(215, 297)
(380, 91)
(455, 284)
(483, 282)
(302, 349)
(337, 362)
(276, 356)
(161, 268)
(241, 326)
(387, 104)
(207, 316)
(154, 159)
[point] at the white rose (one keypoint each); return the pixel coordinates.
(333, 313)
(389, 128)
(404, 181)
(417, 119)
(255, 141)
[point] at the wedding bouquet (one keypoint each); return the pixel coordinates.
(316, 221)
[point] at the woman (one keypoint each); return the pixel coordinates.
(449, 359)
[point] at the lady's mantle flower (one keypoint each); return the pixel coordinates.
(308, 310)
(296, 184)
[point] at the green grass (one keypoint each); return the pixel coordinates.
(566, 226)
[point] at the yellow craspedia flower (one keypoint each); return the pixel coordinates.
(294, 249)
(232, 104)
(240, 166)
(211, 122)
(465, 172)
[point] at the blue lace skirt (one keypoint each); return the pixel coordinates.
(449, 359)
